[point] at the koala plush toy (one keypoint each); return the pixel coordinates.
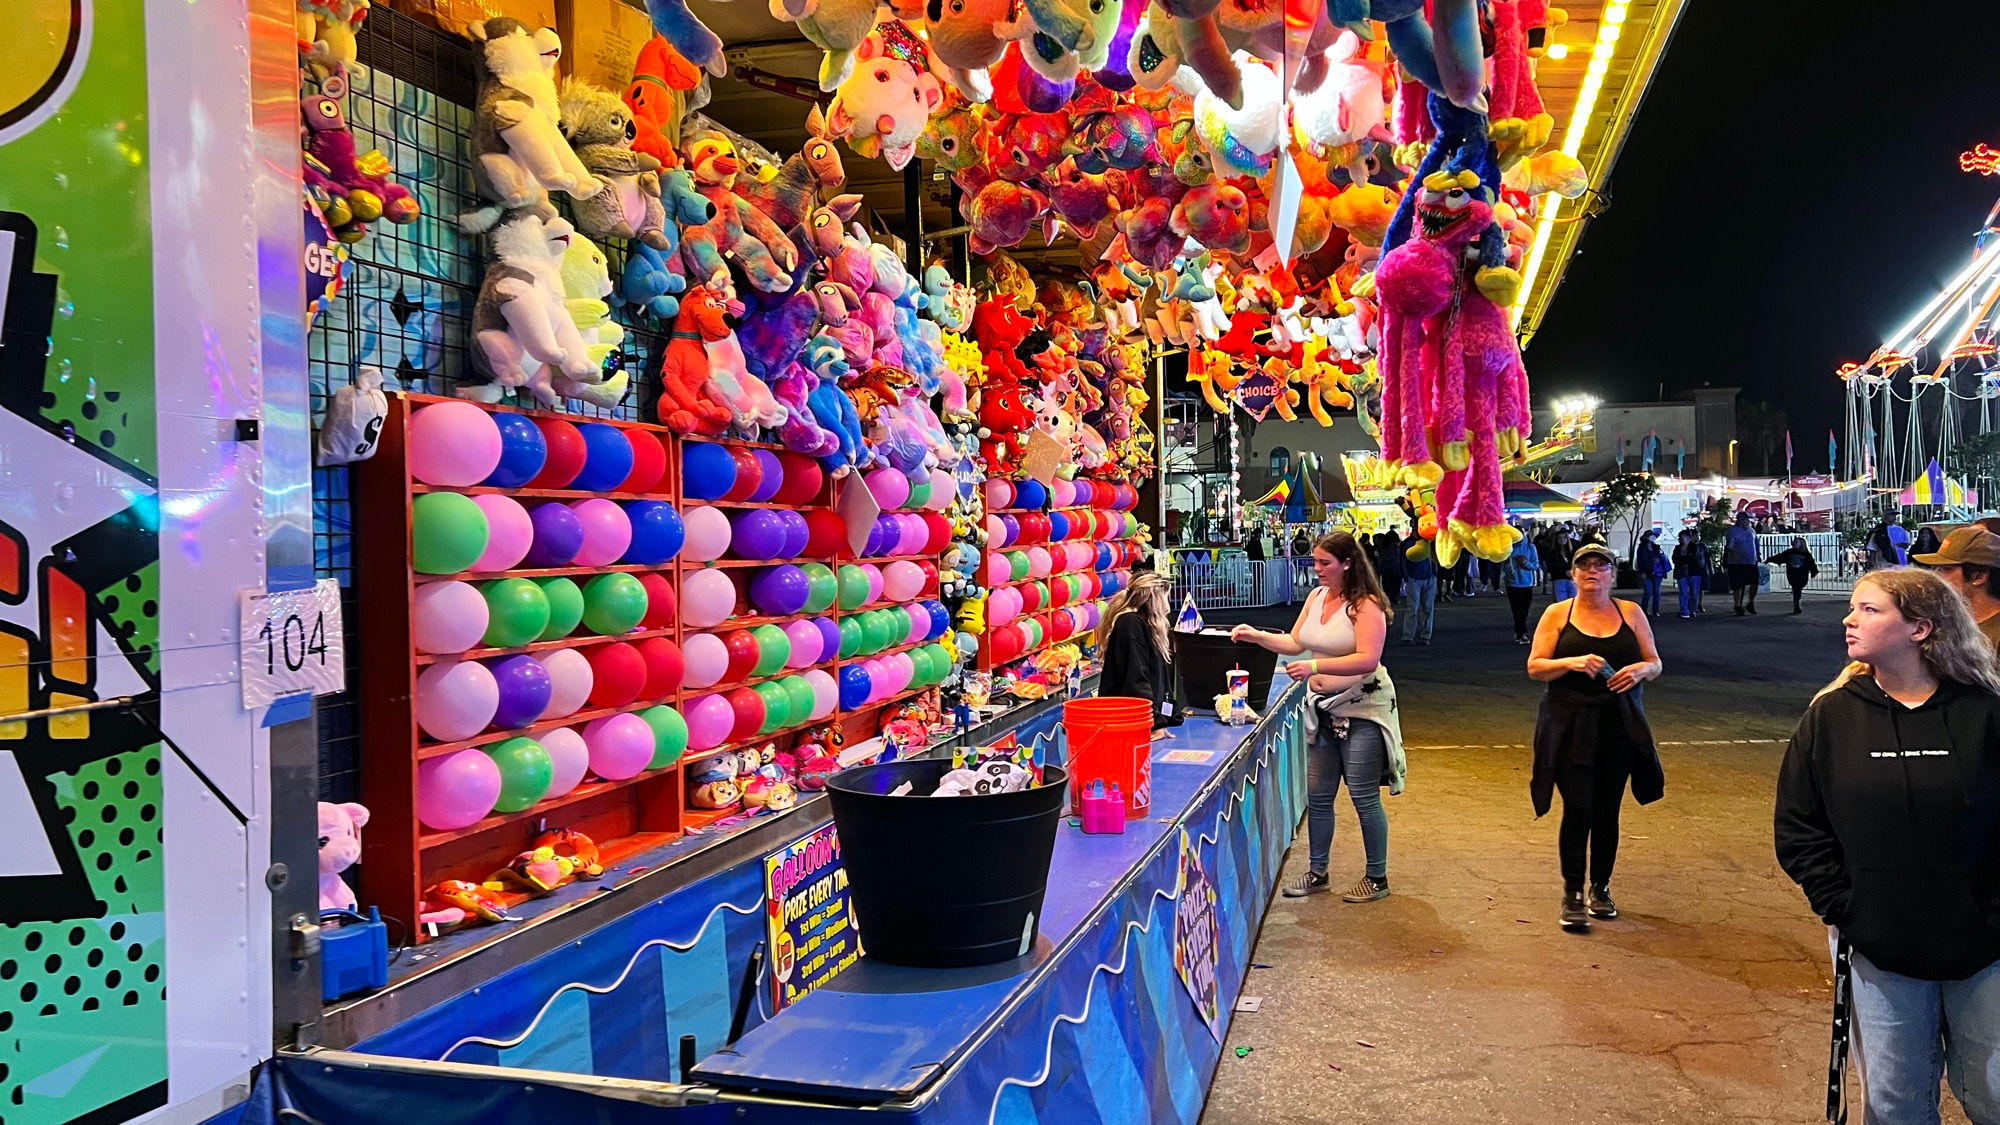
(600, 128)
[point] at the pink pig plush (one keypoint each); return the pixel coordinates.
(883, 106)
(339, 849)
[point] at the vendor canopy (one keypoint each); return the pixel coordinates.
(1532, 498)
(1933, 487)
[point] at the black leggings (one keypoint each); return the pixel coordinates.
(1518, 599)
(1798, 591)
(1591, 796)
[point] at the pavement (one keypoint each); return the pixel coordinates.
(1458, 999)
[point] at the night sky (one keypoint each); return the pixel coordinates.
(1788, 196)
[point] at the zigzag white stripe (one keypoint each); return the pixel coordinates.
(1125, 940)
(502, 1044)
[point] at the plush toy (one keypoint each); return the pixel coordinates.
(1242, 135)
(838, 27)
(730, 382)
(654, 279)
(684, 407)
(738, 230)
(1003, 213)
(600, 128)
(1364, 211)
(537, 871)
(1216, 215)
(1545, 172)
(521, 328)
(712, 783)
(456, 900)
(585, 861)
(969, 36)
(586, 276)
(833, 409)
(518, 151)
(951, 138)
(352, 188)
(1519, 123)
(947, 302)
(813, 760)
(658, 98)
(339, 849)
(1348, 106)
(790, 196)
(883, 106)
(326, 30)
(689, 37)
(1081, 198)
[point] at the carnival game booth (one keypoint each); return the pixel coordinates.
(1115, 1014)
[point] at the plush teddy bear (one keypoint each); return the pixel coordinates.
(684, 406)
(738, 230)
(522, 332)
(339, 849)
(519, 154)
(600, 128)
(586, 276)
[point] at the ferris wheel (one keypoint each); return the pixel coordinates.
(1935, 380)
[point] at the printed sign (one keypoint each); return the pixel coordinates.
(325, 261)
(807, 918)
(1258, 393)
(1188, 757)
(1042, 458)
(1196, 936)
(291, 642)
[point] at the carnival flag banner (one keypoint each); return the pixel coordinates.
(1196, 938)
(1190, 616)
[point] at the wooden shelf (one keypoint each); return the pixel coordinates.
(582, 640)
(429, 750)
(540, 493)
(582, 792)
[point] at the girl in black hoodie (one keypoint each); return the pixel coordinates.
(1888, 817)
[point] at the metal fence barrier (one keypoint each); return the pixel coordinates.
(1235, 582)
(1837, 567)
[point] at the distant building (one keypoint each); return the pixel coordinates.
(1699, 423)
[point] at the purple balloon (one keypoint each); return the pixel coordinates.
(780, 591)
(757, 534)
(525, 689)
(797, 533)
(1011, 530)
(829, 638)
(774, 475)
(558, 536)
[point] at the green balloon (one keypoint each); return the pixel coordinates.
(670, 735)
(565, 607)
(821, 587)
(850, 636)
(516, 612)
(920, 661)
(798, 697)
(940, 662)
(920, 494)
(1017, 565)
(613, 604)
(777, 706)
(773, 649)
(447, 533)
(875, 627)
(525, 772)
(853, 586)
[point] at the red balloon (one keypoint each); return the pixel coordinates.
(566, 454)
(742, 654)
(649, 462)
(664, 668)
(1093, 586)
(1034, 528)
(1058, 595)
(1033, 594)
(749, 473)
(930, 573)
(1007, 642)
(803, 477)
(661, 602)
(1060, 627)
(618, 671)
(826, 536)
(938, 533)
(749, 708)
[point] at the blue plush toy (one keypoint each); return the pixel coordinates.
(653, 278)
(832, 408)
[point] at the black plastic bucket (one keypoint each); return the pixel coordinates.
(944, 882)
(1205, 661)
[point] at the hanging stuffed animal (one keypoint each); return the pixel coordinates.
(518, 151)
(600, 128)
(883, 106)
(586, 276)
(738, 230)
(1242, 135)
(654, 279)
(730, 382)
(658, 98)
(522, 333)
(815, 170)
(352, 188)
(684, 407)
(833, 409)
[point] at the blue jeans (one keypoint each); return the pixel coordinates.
(1690, 588)
(1361, 758)
(1423, 607)
(1565, 588)
(1909, 1033)
(1649, 600)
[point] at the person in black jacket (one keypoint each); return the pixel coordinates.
(1888, 817)
(1800, 567)
(1133, 640)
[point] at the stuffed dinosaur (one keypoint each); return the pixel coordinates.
(522, 333)
(600, 128)
(518, 151)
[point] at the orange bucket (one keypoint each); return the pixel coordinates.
(1111, 738)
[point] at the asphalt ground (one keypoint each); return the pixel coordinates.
(1458, 999)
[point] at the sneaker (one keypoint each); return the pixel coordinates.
(1311, 883)
(1752, 610)
(1601, 905)
(1687, 617)
(1367, 889)
(1575, 915)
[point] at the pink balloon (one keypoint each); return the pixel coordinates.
(456, 790)
(878, 679)
(607, 532)
(806, 642)
(1038, 562)
(708, 597)
(902, 580)
(569, 755)
(901, 669)
(706, 659)
(825, 693)
(1061, 494)
(999, 494)
(620, 746)
(570, 681)
(944, 490)
(996, 532)
(456, 700)
(1001, 606)
(920, 623)
(709, 721)
(874, 574)
(890, 488)
(509, 532)
(997, 571)
(708, 534)
(450, 617)
(453, 444)
(915, 534)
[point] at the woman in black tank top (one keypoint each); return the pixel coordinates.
(1591, 737)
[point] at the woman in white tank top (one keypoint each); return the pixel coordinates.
(1354, 732)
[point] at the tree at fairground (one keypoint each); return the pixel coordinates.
(1627, 500)
(1976, 461)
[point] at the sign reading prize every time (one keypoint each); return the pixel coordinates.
(807, 917)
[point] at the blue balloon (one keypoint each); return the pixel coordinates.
(940, 620)
(854, 687)
(523, 451)
(1104, 556)
(1058, 526)
(874, 548)
(607, 458)
(1031, 494)
(657, 532)
(708, 472)
(829, 638)
(525, 689)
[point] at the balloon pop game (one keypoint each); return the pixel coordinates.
(605, 627)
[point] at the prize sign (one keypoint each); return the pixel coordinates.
(807, 917)
(1196, 936)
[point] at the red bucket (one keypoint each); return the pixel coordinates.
(1111, 738)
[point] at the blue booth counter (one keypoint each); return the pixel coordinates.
(1093, 1024)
